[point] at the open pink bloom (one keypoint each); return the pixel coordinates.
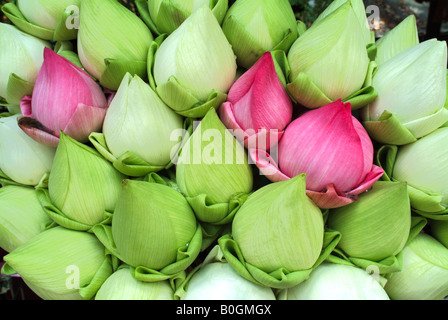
(65, 98)
(258, 108)
(332, 148)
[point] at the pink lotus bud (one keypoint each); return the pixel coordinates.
(332, 148)
(258, 108)
(65, 98)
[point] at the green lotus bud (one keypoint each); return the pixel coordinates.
(154, 231)
(375, 228)
(21, 58)
(329, 61)
(121, 285)
(83, 186)
(338, 282)
(194, 67)
(137, 130)
(421, 165)
(425, 271)
(163, 16)
(405, 109)
(22, 159)
(61, 264)
(45, 19)
(278, 235)
(254, 27)
(397, 40)
(21, 217)
(360, 11)
(213, 171)
(112, 41)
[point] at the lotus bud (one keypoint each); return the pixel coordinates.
(121, 285)
(152, 224)
(254, 27)
(412, 91)
(425, 271)
(61, 264)
(21, 58)
(338, 282)
(397, 40)
(360, 11)
(163, 16)
(83, 187)
(194, 67)
(332, 148)
(329, 61)
(21, 217)
(45, 19)
(425, 175)
(137, 130)
(215, 279)
(278, 236)
(112, 41)
(65, 98)
(375, 229)
(213, 171)
(258, 106)
(23, 160)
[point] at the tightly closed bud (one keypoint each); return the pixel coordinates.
(45, 19)
(213, 171)
(375, 229)
(137, 131)
(21, 217)
(165, 16)
(412, 91)
(121, 285)
(397, 40)
(338, 282)
(254, 27)
(112, 41)
(258, 108)
(64, 98)
(23, 160)
(61, 264)
(154, 231)
(332, 148)
(360, 12)
(421, 165)
(194, 67)
(21, 58)
(83, 187)
(215, 279)
(425, 271)
(329, 61)
(278, 236)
